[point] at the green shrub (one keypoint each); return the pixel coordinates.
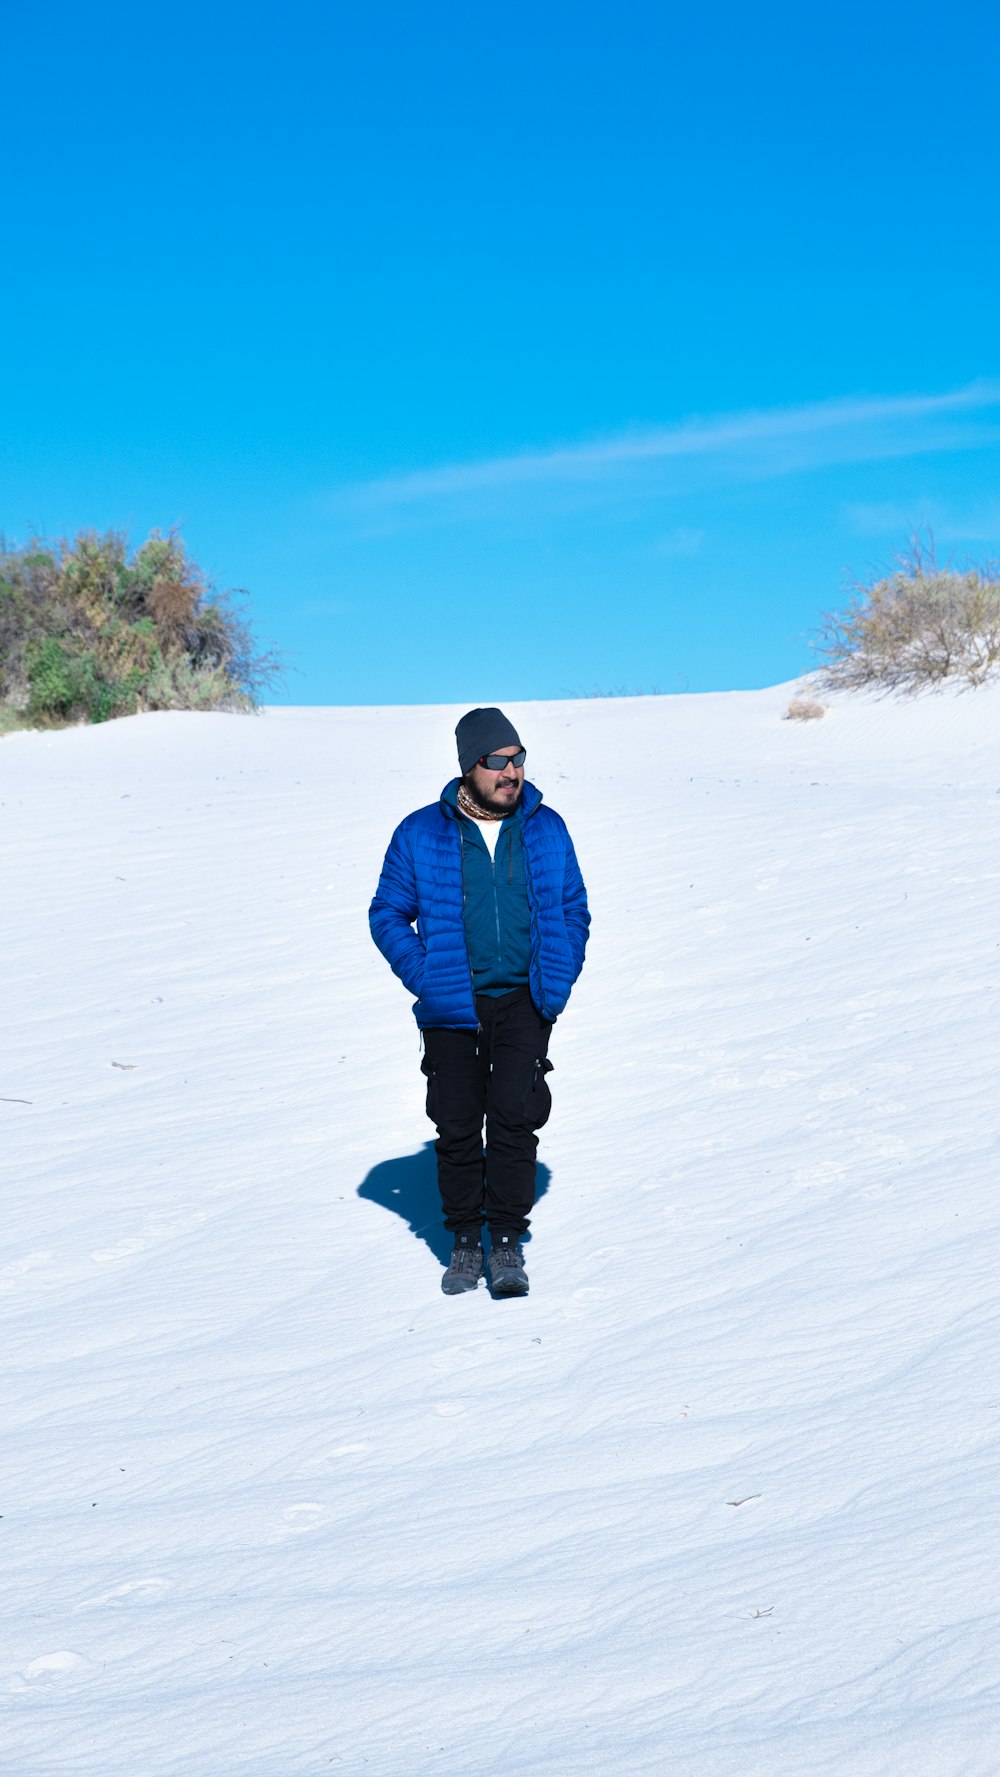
(53, 681)
(89, 630)
(916, 627)
(67, 685)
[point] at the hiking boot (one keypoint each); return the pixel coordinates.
(507, 1273)
(466, 1267)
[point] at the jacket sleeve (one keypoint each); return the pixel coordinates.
(575, 910)
(393, 911)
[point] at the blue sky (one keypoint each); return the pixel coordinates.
(507, 353)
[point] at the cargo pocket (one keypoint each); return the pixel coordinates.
(429, 1069)
(538, 1098)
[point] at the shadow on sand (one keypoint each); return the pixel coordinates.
(408, 1187)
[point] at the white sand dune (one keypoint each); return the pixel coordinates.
(721, 1495)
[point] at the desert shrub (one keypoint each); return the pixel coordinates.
(90, 630)
(67, 684)
(804, 709)
(916, 627)
(177, 684)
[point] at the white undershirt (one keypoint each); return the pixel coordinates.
(490, 831)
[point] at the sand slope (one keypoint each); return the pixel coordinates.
(721, 1495)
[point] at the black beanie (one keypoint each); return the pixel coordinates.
(483, 731)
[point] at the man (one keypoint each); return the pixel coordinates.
(490, 879)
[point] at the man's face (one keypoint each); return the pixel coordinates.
(499, 792)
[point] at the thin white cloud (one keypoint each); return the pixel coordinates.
(779, 441)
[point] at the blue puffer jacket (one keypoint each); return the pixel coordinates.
(421, 881)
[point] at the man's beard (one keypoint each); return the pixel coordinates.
(490, 804)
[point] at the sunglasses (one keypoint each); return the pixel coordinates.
(497, 761)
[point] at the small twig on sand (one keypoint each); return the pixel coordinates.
(17, 1101)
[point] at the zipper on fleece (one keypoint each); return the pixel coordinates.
(536, 947)
(496, 916)
(468, 962)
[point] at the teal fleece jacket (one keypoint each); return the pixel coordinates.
(495, 910)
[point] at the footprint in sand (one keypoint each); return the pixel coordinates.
(584, 1301)
(125, 1249)
(890, 1149)
(29, 1262)
(18, 1270)
(303, 1517)
(136, 1591)
(463, 1358)
(53, 1669)
(336, 1459)
(822, 1176)
(138, 1243)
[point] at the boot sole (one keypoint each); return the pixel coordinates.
(458, 1286)
(511, 1289)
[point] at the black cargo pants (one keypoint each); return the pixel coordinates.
(497, 1075)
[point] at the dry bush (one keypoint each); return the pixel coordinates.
(916, 627)
(89, 630)
(178, 685)
(173, 606)
(804, 709)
